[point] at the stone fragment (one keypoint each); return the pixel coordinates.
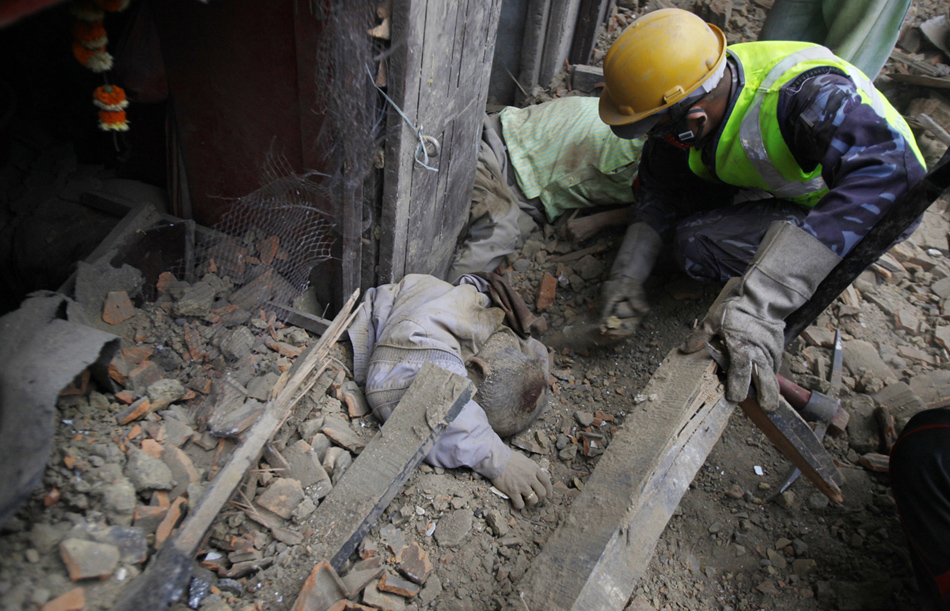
(282, 348)
(130, 541)
(861, 356)
(74, 600)
(259, 387)
(338, 429)
(233, 422)
(147, 473)
(355, 400)
(183, 470)
(357, 579)
(165, 392)
(117, 308)
(147, 517)
(134, 412)
(777, 559)
(546, 292)
(817, 335)
(322, 589)
(237, 344)
(177, 432)
(88, 559)
(584, 419)
(916, 354)
(282, 496)
(933, 388)
(395, 585)
(196, 300)
(453, 528)
(118, 501)
(305, 466)
(906, 321)
(373, 597)
(589, 267)
(414, 563)
(143, 375)
(497, 523)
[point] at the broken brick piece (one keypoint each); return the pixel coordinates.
(152, 448)
(135, 411)
(146, 374)
(137, 354)
(165, 281)
(171, 520)
(414, 563)
(394, 585)
(322, 589)
(74, 600)
(282, 496)
(118, 308)
(125, 397)
(119, 369)
(546, 292)
(283, 348)
(268, 248)
(148, 518)
(88, 559)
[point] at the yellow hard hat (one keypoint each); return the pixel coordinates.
(659, 60)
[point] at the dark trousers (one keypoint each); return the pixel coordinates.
(920, 479)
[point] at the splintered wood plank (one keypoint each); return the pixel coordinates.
(434, 399)
(639, 481)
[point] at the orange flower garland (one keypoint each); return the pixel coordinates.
(90, 34)
(97, 60)
(111, 101)
(85, 10)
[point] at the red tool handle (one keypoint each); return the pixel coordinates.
(793, 393)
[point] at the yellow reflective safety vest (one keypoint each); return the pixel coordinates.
(751, 152)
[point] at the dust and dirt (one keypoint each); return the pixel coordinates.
(732, 544)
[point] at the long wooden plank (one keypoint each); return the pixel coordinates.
(343, 518)
(595, 564)
(167, 575)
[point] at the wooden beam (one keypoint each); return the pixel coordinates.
(298, 318)
(433, 400)
(170, 570)
(639, 481)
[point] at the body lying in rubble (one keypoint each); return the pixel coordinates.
(423, 319)
(765, 163)
(535, 164)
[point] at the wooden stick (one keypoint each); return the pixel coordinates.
(170, 570)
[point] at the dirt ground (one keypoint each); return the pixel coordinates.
(732, 544)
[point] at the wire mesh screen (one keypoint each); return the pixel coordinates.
(273, 237)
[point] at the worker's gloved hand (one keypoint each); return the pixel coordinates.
(524, 481)
(623, 301)
(749, 314)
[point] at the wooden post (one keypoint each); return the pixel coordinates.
(639, 481)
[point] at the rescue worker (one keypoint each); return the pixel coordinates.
(920, 480)
(765, 162)
(399, 327)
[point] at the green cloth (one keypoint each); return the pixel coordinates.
(565, 155)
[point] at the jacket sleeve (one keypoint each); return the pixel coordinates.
(470, 442)
(667, 191)
(867, 164)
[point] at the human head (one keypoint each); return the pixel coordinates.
(512, 384)
(658, 68)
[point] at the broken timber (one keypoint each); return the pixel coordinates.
(168, 574)
(434, 399)
(639, 481)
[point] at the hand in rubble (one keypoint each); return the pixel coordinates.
(623, 307)
(524, 481)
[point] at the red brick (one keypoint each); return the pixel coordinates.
(268, 248)
(137, 354)
(145, 374)
(74, 600)
(546, 292)
(165, 280)
(118, 308)
(134, 412)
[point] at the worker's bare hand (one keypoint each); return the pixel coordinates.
(524, 481)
